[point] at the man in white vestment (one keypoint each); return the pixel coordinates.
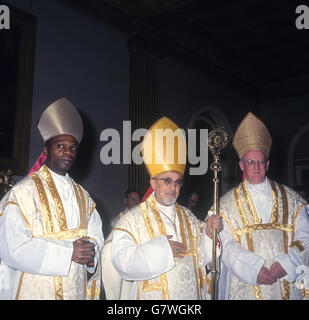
(131, 199)
(50, 232)
(159, 249)
(265, 233)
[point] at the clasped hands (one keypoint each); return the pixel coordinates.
(271, 275)
(83, 252)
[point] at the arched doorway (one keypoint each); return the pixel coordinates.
(298, 158)
(209, 117)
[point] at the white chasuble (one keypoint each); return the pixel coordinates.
(138, 260)
(260, 228)
(38, 226)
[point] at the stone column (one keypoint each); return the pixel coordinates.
(144, 106)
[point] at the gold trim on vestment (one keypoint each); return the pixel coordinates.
(157, 216)
(249, 203)
(285, 216)
(58, 284)
(295, 218)
(19, 285)
(243, 214)
(191, 241)
(81, 213)
(275, 209)
(162, 230)
(124, 230)
(58, 288)
(286, 290)
(209, 284)
(248, 229)
(11, 202)
(107, 242)
(83, 204)
(50, 230)
(305, 293)
(181, 226)
(235, 235)
(240, 206)
(297, 244)
(56, 198)
(146, 286)
(139, 290)
(146, 217)
(92, 293)
(47, 216)
(257, 292)
(63, 235)
(20, 211)
(94, 290)
(256, 289)
(163, 284)
(262, 226)
(285, 219)
(92, 208)
(202, 277)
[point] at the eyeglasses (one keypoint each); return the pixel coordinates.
(252, 163)
(169, 181)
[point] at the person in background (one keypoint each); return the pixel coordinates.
(131, 199)
(192, 200)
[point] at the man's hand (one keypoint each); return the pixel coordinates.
(83, 251)
(178, 248)
(213, 223)
(265, 277)
(277, 271)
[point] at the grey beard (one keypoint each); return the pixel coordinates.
(169, 203)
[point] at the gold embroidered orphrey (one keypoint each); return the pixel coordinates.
(249, 223)
(52, 224)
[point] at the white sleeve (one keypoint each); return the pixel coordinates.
(243, 263)
(140, 262)
(295, 258)
(94, 231)
(206, 246)
(21, 251)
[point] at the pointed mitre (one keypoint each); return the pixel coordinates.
(164, 148)
(250, 135)
(61, 117)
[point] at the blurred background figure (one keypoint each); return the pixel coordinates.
(192, 200)
(131, 199)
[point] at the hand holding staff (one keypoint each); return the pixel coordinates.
(217, 140)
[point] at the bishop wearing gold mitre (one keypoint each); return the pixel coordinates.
(265, 233)
(50, 232)
(158, 249)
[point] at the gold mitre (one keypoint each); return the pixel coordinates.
(164, 148)
(250, 135)
(61, 117)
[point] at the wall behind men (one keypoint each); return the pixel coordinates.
(80, 58)
(288, 122)
(83, 59)
(184, 91)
